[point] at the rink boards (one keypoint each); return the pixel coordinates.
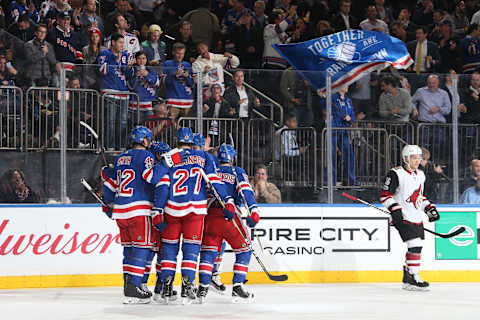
(76, 245)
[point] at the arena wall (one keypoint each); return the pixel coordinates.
(76, 245)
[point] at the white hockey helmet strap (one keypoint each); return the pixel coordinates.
(409, 150)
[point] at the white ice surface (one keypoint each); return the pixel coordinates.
(320, 301)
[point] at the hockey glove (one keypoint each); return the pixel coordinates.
(432, 213)
(108, 210)
(157, 219)
(397, 217)
(229, 211)
(175, 157)
(253, 219)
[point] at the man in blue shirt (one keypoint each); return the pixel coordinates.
(471, 195)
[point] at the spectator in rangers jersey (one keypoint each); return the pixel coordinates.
(211, 65)
(182, 208)
(19, 7)
(274, 33)
(178, 82)
(265, 192)
(235, 233)
(144, 82)
(132, 45)
(113, 64)
(154, 48)
(402, 195)
(66, 42)
(471, 49)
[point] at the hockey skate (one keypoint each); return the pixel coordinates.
(134, 294)
(144, 287)
(217, 285)
(189, 291)
(240, 294)
(202, 294)
(414, 282)
(163, 292)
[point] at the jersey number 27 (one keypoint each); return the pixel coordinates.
(180, 187)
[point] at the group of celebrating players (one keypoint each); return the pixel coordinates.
(160, 198)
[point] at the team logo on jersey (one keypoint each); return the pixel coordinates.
(124, 59)
(148, 162)
(386, 185)
(132, 41)
(416, 198)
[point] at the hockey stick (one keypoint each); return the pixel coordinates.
(92, 192)
(282, 277)
(441, 235)
(244, 200)
(95, 135)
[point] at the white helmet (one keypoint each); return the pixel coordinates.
(408, 150)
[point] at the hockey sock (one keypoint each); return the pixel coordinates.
(169, 260)
(218, 259)
(135, 265)
(158, 265)
(413, 258)
(127, 252)
(189, 263)
(240, 268)
(148, 266)
(206, 266)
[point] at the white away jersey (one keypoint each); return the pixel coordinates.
(404, 190)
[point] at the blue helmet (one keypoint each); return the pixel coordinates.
(198, 139)
(139, 133)
(184, 135)
(226, 153)
(159, 147)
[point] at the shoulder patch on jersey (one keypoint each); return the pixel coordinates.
(149, 162)
(124, 59)
(386, 185)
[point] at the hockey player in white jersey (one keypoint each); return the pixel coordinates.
(402, 194)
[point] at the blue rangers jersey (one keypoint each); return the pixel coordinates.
(145, 87)
(130, 184)
(67, 45)
(234, 187)
(179, 90)
(183, 190)
(114, 72)
(340, 109)
(16, 10)
(470, 54)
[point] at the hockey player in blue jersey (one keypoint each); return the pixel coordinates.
(181, 203)
(217, 229)
(144, 82)
(216, 282)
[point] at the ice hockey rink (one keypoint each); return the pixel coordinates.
(285, 301)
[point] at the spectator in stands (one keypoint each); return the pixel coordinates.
(154, 48)
(323, 28)
(205, 25)
(408, 25)
(470, 110)
(219, 8)
(145, 9)
(287, 140)
(361, 95)
(372, 23)
(395, 103)
(302, 31)
(211, 66)
(383, 13)
(113, 64)
(425, 52)
(460, 20)
(453, 92)
(343, 20)
(259, 16)
(433, 177)
(23, 29)
(473, 175)
(471, 195)
(234, 14)
(471, 7)
(298, 96)
(449, 48)
(160, 122)
(216, 106)
(89, 20)
(178, 82)
(19, 7)
(184, 36)
(122, 8)
(13, 188)
(435, 33)
(240, 98)
(432, 105)
(248, 39)
(66, 42)
(132, 45)
(423, 15)
(471, 49)
(7, 72)
(41, 60)
(144, 82)
(399, 31)
(91, 51)
(275, 33)
(264, 191)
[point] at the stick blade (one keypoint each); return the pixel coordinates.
(278, 278)
(454, 233)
